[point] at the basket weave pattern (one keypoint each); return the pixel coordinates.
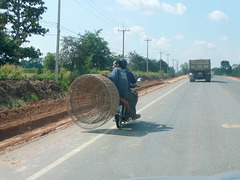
(92, 100)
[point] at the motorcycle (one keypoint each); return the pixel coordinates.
(122, 114)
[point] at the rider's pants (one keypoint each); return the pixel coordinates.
(132, 103)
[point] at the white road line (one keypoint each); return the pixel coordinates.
(79, 148)
(68, 155)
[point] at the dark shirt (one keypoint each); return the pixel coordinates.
(131, 78)
(119, 78)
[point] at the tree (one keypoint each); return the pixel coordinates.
(136, 62)
(94, 48)
(86, 52)
(139, 63)
(69, 53)
(8, 49)
(236, 70)
(164, 66)
(3, 17)
(184, 68)
(171, 70)
(153, 65)
(49, 61)
(225, 67)
(32, 63)
(23, 18)
(217, 71)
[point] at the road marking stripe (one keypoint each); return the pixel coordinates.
(81, 147)
(68, 155)
(231, 125)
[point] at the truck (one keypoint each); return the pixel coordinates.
(200, 69)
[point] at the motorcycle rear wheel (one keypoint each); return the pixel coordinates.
(118, 119)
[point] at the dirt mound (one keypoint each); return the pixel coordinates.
(33, 113)
(15, 93)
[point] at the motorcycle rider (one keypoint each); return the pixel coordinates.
(132, 95)
(119, 78)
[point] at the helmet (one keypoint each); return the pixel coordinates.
(124, 63)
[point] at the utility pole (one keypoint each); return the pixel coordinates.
(160, 59)
(177, 64)
(167, 62)
(173, 62)
(58, 37)
(123, 30)
(147, 50)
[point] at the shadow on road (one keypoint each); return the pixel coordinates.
(136, 128)
(210, 81)
(219, 82)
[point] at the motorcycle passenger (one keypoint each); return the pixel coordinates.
(119, 78)
(132, 95)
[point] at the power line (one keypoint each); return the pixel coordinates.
(48, 22)
(92, 13)
(50, 34)
(69, 30)
(154, 49)
(107, 14)
(101, 11)
(115, 49)
(54, 24)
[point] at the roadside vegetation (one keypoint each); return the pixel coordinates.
(227, 70)
(87, 53)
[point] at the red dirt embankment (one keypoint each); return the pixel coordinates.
(24, 124)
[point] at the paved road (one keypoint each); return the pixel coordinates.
(186, 129)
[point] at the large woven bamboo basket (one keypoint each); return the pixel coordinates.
(92, 100)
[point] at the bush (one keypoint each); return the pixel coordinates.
(10, 71)
(47, 74)
(30, 70)
(13, 103)
(144, 75)
(30, 97)
(33, 97)
(107, 73)
(94, 71)
(64, 85)
(149, 75)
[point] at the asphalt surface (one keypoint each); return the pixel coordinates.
(186, 129)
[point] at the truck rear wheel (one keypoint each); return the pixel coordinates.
(208, 79)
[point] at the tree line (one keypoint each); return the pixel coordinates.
(19, 19)
(86, 53)
(227, 69)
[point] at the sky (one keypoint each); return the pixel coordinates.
(184, 29)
